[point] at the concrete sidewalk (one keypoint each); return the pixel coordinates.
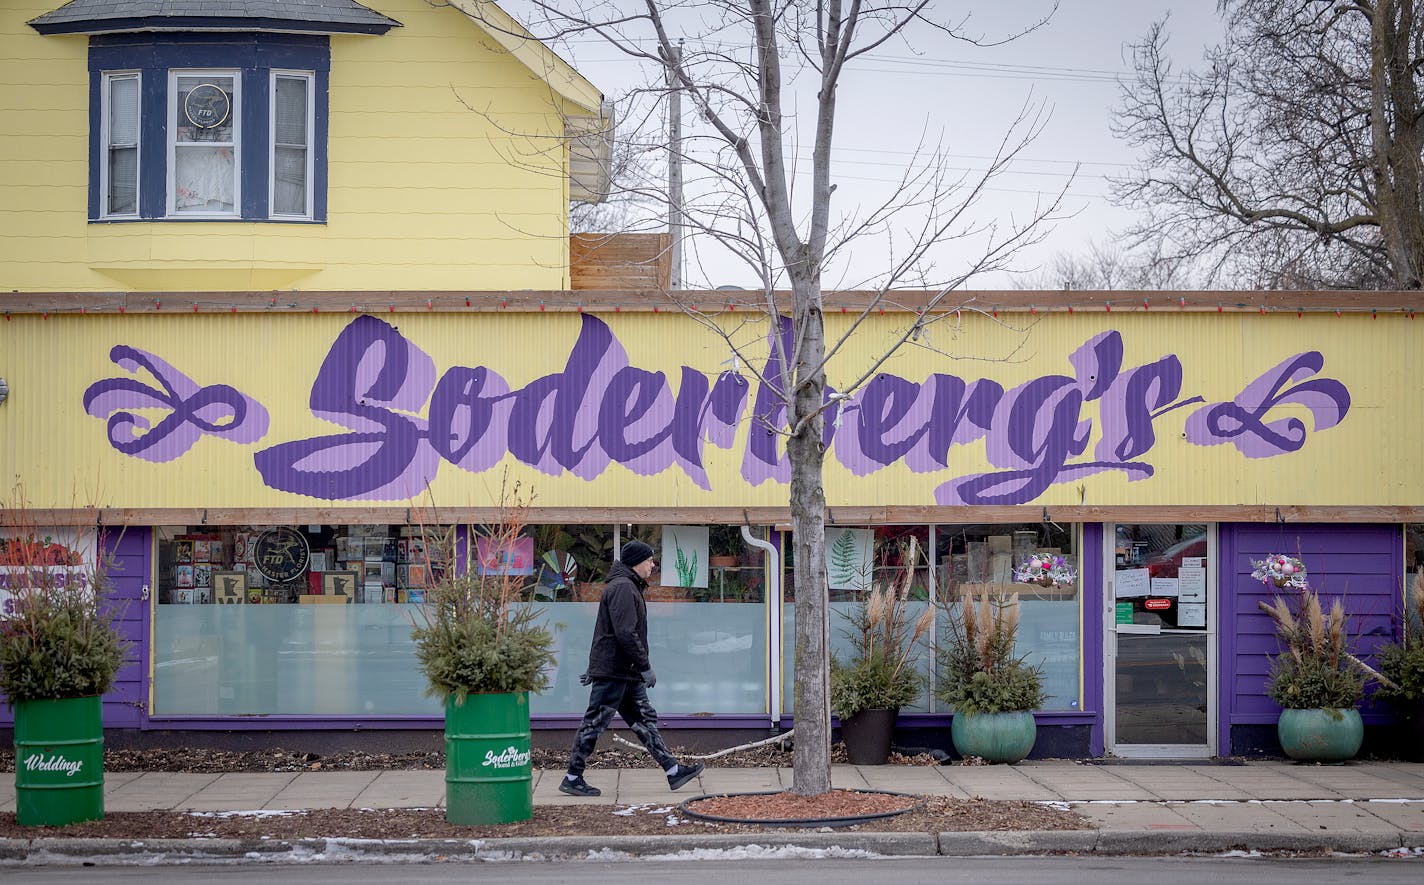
(1136, 808)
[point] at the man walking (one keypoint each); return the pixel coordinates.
(621, 674)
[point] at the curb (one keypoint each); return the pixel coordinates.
(109, 852)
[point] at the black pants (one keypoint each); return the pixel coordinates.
(629, 700)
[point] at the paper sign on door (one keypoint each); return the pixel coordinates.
(1131, 582)
(1191, 581)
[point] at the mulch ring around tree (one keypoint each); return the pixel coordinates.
(836, 808)
(937, 814)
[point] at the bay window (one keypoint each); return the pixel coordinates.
(240, 135)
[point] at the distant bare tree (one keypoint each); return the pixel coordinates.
(1294, 159)
(1110, 267)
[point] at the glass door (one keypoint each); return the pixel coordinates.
(1161, 640)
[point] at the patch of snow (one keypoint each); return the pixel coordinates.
(763, 852)
(258, 812)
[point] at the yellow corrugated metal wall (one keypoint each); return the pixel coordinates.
(1373, 457)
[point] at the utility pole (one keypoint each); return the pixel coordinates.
(674, 168)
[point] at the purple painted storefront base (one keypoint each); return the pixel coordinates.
(1363, 564)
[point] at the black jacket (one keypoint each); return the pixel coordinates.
(620, 632)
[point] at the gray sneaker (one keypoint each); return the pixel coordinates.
(578, 787)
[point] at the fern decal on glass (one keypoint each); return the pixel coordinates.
(845, 560)
(686, 568)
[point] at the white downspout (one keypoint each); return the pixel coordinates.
(773, 597)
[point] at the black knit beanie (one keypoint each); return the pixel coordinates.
(635, 552)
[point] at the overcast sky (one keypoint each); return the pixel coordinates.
(969, 95)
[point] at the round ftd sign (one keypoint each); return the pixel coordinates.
(281, 554)
(207, 106)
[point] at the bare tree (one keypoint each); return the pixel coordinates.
(1107, 266)
(1293, 159)
(744, 69)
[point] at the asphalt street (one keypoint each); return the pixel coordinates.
(790, 871)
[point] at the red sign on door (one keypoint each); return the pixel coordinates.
(1157, 605)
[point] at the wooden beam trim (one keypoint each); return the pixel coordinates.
(1232, 303)
(845, 516)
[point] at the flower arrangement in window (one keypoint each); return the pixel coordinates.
(1046, 571)
(1282, 571)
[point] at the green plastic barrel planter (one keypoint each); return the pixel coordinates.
(1332, 735)
(59, 762)
(994, 737)
(487, 774)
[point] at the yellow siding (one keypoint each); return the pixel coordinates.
(424, 192)
(1373, 457)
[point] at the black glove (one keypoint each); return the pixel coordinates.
(650, 678)
(585, 679)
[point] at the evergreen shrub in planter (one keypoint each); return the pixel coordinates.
(1315, 678)
(59, 652)
(479, 641)
(868, 690)
(993, 690)
(1402, 665)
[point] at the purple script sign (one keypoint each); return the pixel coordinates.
(192, 410)
(599, 409)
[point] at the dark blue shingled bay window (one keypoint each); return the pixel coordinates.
(208, 127)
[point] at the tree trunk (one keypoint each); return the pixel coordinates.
(1395, 133)
(811, 759)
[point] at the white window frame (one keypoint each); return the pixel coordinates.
(172, 139)
(310, 78)
(105, 146)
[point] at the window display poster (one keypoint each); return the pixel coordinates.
(1165, 586)
(1191, 614)
(848, 558)
(1122, 614)
(685, 551)
(1193, 583)
(507, 556)
(229, 587)
(1129, 583)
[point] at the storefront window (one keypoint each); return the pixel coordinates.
(312, 619)
(859, 558)
(707, 627)
(978, 559)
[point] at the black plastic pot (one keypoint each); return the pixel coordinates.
(867, 736)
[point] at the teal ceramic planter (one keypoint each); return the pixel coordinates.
(1321, 735)
(994, 737)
